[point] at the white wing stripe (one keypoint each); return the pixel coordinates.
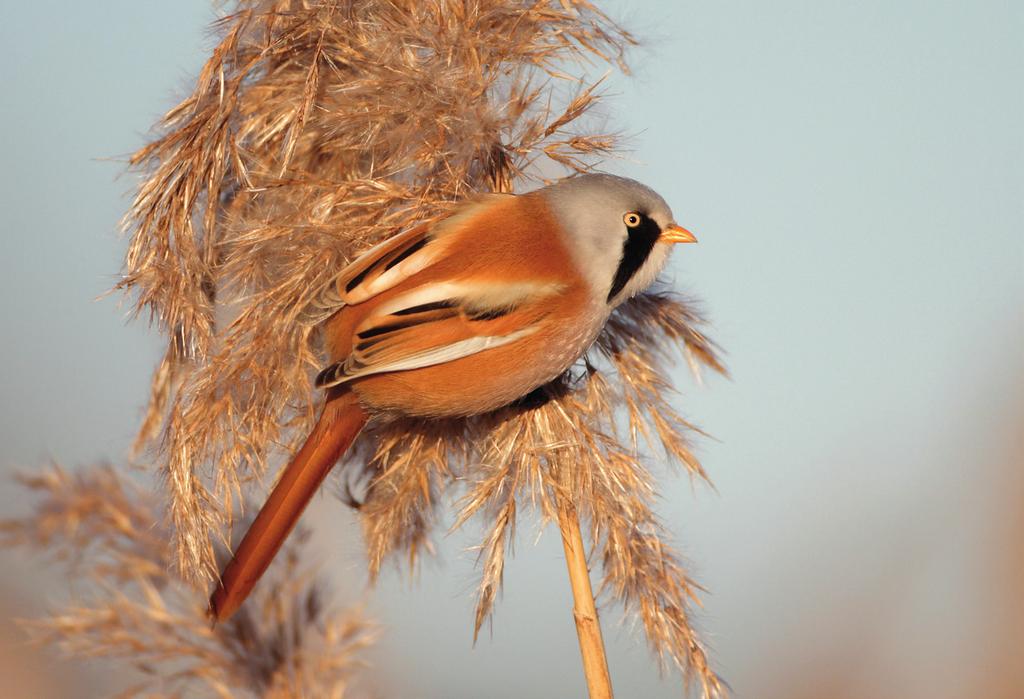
(428, 293)
(417, 262)
(471, 294)
(443, 354)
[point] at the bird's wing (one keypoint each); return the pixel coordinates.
(376, 270)
(441, 322)
(392, 261)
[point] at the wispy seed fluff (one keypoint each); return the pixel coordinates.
(316, 129)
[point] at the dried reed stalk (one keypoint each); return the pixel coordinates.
(103, 529)
(588, 626)
(316, 129)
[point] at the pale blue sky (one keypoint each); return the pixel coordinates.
(854, 174)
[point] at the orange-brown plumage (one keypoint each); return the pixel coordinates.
(462, 317)
(504, 242)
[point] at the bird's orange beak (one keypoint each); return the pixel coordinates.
(677, 234)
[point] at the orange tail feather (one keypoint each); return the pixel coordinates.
(338, 426)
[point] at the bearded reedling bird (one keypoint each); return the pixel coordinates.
(461, 317)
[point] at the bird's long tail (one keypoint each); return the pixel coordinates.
(338, 426)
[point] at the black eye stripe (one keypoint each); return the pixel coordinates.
(637, 248)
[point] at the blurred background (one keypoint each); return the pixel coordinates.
(855, 174)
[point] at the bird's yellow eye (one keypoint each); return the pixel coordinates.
(632, 219)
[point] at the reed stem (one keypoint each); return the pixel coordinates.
(588, 627)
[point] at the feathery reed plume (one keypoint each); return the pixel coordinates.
(316, 129)
(102, 528)
(569, 448)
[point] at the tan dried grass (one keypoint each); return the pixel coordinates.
(102, 530)
(318, 128)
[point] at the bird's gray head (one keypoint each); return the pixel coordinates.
(621, 231)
